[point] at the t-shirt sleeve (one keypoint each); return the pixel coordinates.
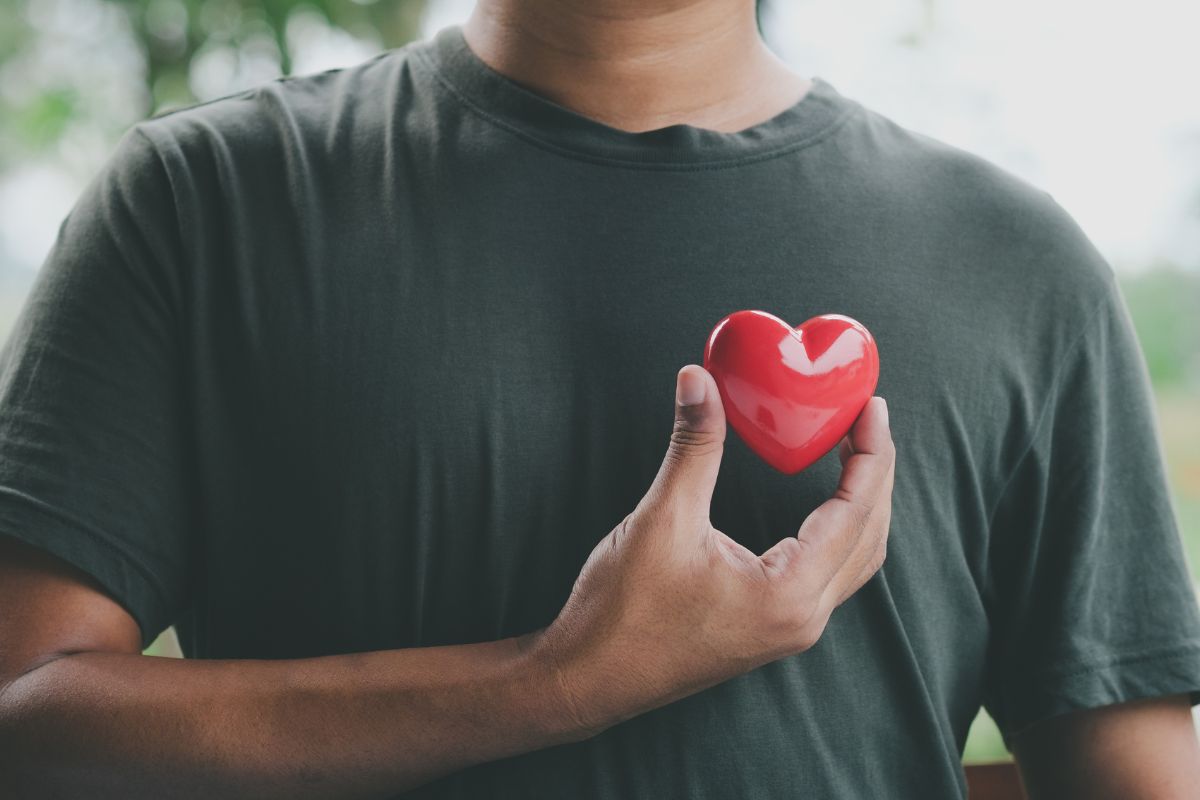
(1090, 597)
(93, 454)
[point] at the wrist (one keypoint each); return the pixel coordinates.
(560, 712)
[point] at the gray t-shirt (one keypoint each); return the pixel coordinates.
(372, 358)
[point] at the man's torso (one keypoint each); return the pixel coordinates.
(432, 364)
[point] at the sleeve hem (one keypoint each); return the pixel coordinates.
(1161, 671)
(122, 576)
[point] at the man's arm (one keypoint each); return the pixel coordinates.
(89, 714)
(1145, 749)
(665, 606)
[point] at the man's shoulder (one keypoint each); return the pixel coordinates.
(927, 168)
(315, 111)
(1002, 228)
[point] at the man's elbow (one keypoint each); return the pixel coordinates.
(27, 747)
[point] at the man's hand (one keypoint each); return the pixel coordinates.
(667, 605)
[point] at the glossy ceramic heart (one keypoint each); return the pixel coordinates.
(792, 393)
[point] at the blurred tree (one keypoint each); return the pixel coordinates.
(40, 97)
(173, 32)
(1164, 303)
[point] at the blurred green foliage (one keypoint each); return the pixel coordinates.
(37, 105)
(173, 32)
(1165, 305)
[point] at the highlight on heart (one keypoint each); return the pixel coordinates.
(792, 393)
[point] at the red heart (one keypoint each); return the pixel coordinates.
(792, 394)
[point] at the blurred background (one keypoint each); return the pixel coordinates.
(1093, 102)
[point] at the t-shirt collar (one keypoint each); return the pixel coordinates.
(545, 122)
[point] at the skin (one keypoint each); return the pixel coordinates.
(1145, 749)
(637, 65)
(82, 713)
(665, 605)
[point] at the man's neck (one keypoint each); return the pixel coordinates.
(638, 65)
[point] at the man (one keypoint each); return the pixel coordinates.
(359, 379)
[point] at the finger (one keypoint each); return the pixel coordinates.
(688, 473)
(834, 530)
(873, 563)
(870, 552)
(872, 453)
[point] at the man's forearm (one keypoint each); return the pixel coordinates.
(360, 725)
(665, 605)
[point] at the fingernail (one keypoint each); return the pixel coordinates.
(885, 410)
(689, 389)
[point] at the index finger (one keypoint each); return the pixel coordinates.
(832, 531)
(872, 452)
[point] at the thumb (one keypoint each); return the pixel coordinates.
(688, 474)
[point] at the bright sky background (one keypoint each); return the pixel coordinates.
(1095, 102)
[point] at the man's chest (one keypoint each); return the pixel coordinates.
(418, 436)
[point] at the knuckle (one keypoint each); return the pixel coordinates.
(620, 533)
(858, 511)
(794, 617)
(809, 633)
(687, 441)
(878, 560)
(641, 528)
(783, 557)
